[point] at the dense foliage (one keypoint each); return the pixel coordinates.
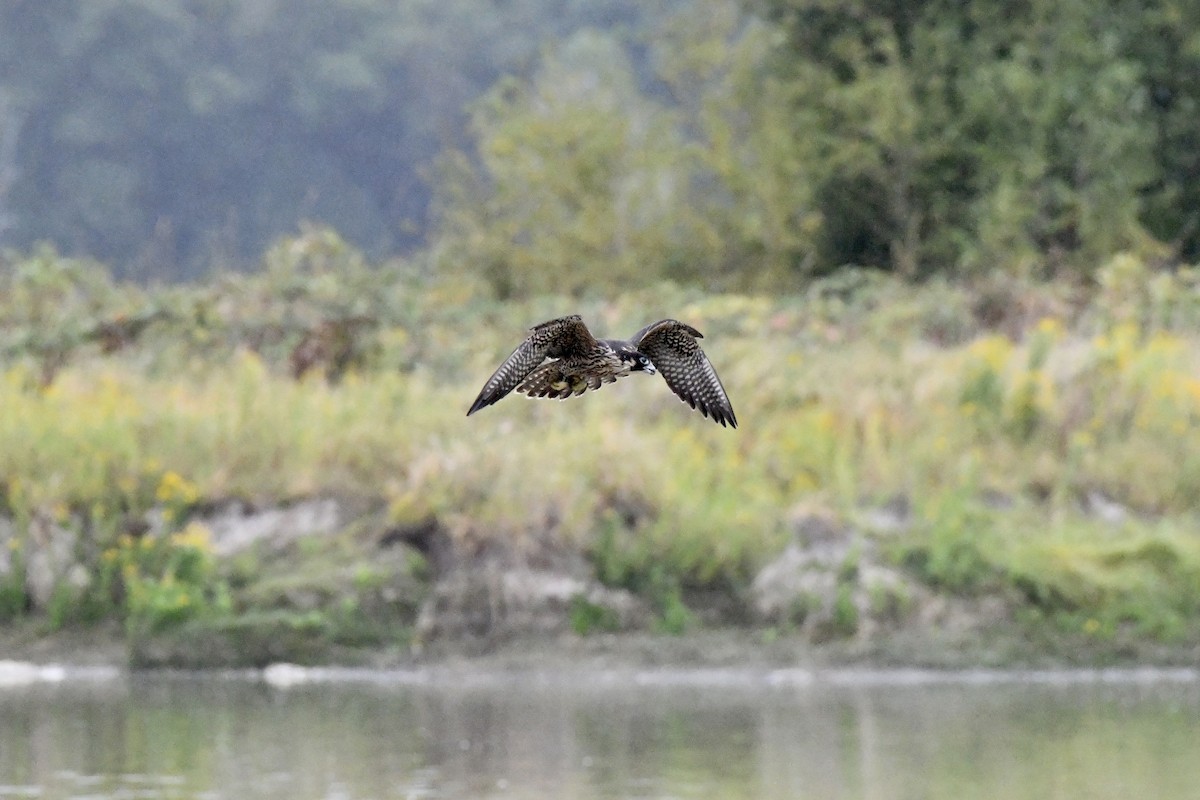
(730, 145)
(924, 138)
(971, 134)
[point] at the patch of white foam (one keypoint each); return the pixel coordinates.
(23, 673)
(284, 676)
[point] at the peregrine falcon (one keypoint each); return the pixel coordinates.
(579, 361)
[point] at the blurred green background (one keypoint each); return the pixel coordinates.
(565, 145)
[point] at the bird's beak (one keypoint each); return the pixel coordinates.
(649, 369)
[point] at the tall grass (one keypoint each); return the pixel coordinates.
(1001, 443)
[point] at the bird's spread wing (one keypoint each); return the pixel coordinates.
(565, 337)
(673, 348)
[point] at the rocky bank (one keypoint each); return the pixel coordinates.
(327, 581)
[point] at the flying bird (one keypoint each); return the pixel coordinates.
(561, 358)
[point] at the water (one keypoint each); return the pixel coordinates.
(596, 735)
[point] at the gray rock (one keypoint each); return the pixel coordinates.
(236, 528)
(783, 587)
(829, 582)
(892, 517)
(1099, 505)
(49, 559)
(501, 592)
(8, 535)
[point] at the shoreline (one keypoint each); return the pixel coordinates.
(712, 652)
(485, 677)
(430, 599)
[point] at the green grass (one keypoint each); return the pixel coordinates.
(846, 397)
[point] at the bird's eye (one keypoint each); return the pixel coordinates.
(644, 360)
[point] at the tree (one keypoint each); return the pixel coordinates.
(1165, 43)
(579, 180)
(960, 136)
(165, 135)
(590, 175)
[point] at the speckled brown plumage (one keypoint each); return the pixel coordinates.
(579, 362)
(673, 348)
(566, 339)
(574, 376)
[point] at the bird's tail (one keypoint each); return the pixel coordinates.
(550, 380)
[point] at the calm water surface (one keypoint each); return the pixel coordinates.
(567, 736)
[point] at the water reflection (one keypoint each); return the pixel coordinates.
(581, 737)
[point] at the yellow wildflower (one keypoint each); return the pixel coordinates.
(174, 488)
(195, 535)
(1051, 327)
(994, 351)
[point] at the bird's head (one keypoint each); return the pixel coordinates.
(637, 361)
